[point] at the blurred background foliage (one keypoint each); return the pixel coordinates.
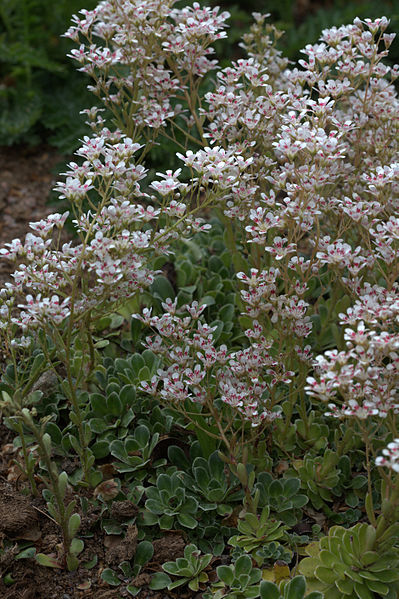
(303, 20)
(41, 93)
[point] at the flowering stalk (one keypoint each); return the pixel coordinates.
(28, 457)
(389, 490)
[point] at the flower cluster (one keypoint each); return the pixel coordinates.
(365, 377)
(109, 260)
(390, 457)
(163, 48)
(195, 368)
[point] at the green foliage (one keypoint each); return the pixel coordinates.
(209, 480)
(312, 434)
(351, 486)
(256, 531)
(134, 452)
(319, 476)
(188, 570)
(294, 589)
(130, 569)
(282, 496)
(132, 370)
(237, 581)
(33, 63)
(204, 272)
(356, 563)
(168, 502)
(266, 555)
(110, 416)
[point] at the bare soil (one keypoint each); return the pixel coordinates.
(26, 179)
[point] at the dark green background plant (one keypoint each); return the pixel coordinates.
(40, 92)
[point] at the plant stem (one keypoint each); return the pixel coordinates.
(53, 486)
(29, 472)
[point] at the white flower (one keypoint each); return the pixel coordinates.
(390, 457)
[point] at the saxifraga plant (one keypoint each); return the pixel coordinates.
(300, 166)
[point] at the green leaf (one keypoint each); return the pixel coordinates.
(327, 558)
(136, 326)
(111, 528)
(207, 443)
(132, 590)
(268, 590)
(55, 433)
(144, 553)
(36, 367)
(27, 553)
(226, 574)
(165, 522)
(127, 395)
(388, 576)
(208, 300)
(126, 569)
(62, 483)
(378, 587)
(72, 562)
(74, 443)
(226, 314)
(101, 344)
(243, 565)
(100, 449)
(47, 443)
(73, 525)
(177, 456)
(177, 583)
(362, 591)
(149, 518)
(162, 288)
(296, 588)
(308, 565)
(98, 404)
(47, 560)
(77, 546)
(114, 405)
(8, 580)
(142, 435)
(110, 577)
(326, 575)
(187, 520)
(218, 330)
(160, 580)
(369, 557)
(91, 563)
(345, 586)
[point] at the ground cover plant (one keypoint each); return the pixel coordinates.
(212, 360)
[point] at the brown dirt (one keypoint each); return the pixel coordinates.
(17, 515)
(24, 519)
(25, 182)
(170, 544)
